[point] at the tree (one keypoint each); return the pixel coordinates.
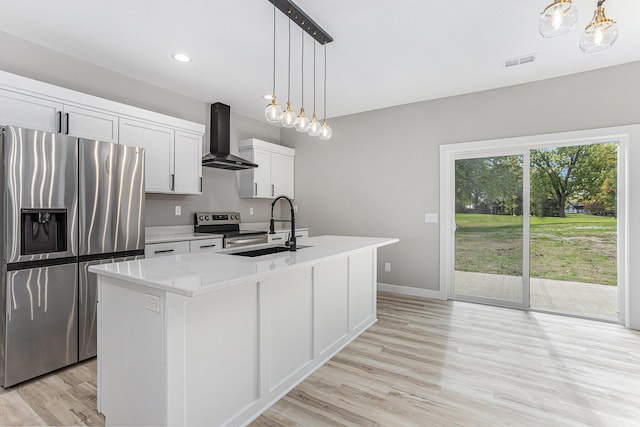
(577, 173)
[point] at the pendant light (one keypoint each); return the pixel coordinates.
(558, 18)
(273, 112)
(302, 121)
(289, 117)
(601, 32)
(315, 126)
(325, 131)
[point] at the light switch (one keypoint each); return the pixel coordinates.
(431, 218)
(178, 210)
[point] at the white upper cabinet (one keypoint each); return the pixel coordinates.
(30, 112)
(172, 146)
(90, 124)
(188, 163)
(158, 144)
(274, 175)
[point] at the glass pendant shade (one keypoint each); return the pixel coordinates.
(325, 131)
(288, 117)
(315, 126)
(600, 34)
(558, 18)
(273, 112)
(302, 122)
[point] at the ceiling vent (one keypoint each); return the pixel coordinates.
(526, 59)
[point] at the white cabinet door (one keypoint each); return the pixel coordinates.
(282, 175)
(188, 163)
(90, 124)
(158, 143)
(30, 112)
(205, 245)
(163, 249)
(262, 174)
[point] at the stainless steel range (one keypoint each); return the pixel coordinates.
(228, 224)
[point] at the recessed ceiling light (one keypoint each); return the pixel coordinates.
(268, 96)
(181, 57)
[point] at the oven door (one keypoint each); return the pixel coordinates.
(238, 241)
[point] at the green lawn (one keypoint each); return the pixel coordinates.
(579, 248)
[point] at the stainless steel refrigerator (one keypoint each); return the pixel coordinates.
(67, 203)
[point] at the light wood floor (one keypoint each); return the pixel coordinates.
(427, 363)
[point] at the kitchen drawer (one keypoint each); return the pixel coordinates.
(206, 245)
(162, 249)
(279, 237)
(300, 234)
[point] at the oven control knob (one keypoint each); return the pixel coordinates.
(206, 218)
(236, 217)
(201, 218)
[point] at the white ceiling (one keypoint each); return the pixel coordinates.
(385, 53)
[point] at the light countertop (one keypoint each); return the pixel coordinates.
(198, 273)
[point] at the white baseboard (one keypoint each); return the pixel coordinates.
(408, 290)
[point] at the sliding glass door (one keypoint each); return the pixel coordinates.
(490, 230)
(537, 227)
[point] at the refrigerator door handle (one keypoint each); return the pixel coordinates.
(173, 182)
(66, 116)
(59, 121)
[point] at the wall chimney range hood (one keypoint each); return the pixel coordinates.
(220, 130)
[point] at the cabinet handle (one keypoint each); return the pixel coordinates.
(163, 251)
(66, 117)
(201, 184)
(298, 235)
(173, 182)
(277, 238)
(208, 246)
(59, 121)
(255, 191)
(273, 190)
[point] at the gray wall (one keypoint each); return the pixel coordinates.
(379, 174)
(220, 187)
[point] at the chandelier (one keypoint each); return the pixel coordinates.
(273, 112)
(561, 16)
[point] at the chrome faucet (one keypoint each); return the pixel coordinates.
(272, 229)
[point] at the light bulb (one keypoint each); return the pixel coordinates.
(273, 112)
(288, 117)
(302, 122)
(325, 131)
(558, 18)
(315, 126)
(600, 34)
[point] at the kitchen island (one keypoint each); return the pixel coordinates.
(216, 339)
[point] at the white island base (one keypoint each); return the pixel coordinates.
(224, 352)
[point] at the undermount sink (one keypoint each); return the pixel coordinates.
(266, 251)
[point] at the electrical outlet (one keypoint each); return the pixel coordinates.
(178, 210)
(295, 208)
(152, 303)
(431, 218)
(387, 267)
(250, 211)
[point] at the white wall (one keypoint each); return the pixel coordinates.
(220, 186)
(379, 174)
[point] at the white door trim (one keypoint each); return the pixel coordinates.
(451, 152)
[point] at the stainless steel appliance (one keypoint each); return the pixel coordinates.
(228, 224)
(67, 202)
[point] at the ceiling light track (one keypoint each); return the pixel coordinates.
(304, 21)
